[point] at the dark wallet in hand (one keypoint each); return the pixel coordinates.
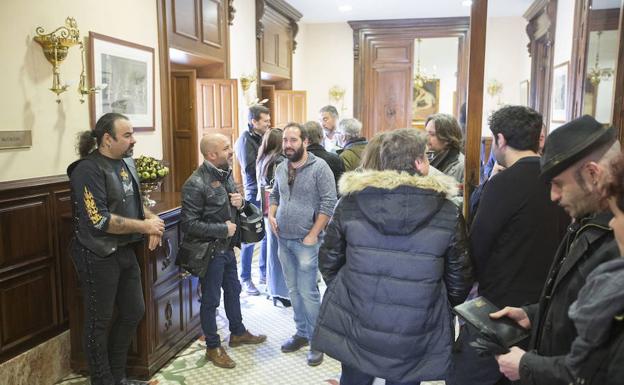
(477, 313)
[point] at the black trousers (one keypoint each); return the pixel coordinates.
(108, 283)
(468, 367)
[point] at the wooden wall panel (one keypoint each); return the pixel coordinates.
(33, 248)
(211, 20)
(19, 219)
(185, 15)
(28, 305)
(198, 28)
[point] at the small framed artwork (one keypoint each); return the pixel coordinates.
(125, 73)
(425, 101)
(524, 93)
(559, 109)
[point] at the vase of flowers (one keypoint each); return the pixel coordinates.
(151, 174)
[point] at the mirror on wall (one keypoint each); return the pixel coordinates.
(601, 59)
(434, 78)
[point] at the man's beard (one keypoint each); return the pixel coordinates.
(129, 152)
(224, 165)
(295, 156)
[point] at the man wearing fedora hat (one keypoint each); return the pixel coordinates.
(576, 158)
(211, 209)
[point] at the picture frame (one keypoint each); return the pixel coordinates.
(525, 88)
(124, 71)
(425, 101)
(559, 102)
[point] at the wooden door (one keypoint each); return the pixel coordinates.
(390, 76)
(185, 143)
(299, 107)
(282, 113)
(217, 112)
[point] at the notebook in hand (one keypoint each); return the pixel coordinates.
(477, 313)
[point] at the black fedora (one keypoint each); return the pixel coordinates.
(572, 142)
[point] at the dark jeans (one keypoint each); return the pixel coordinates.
(352, 376)
(221, 273)
(113, 281)
(247, 249)
(470, 369)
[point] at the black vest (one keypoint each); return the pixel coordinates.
(98, 241)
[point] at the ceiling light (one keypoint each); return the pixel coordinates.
(467, 3)
(345, 8)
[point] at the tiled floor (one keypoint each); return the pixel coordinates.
(261, 364)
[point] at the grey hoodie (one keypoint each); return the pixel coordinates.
(313, 192)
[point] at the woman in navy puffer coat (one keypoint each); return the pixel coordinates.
(395, 260)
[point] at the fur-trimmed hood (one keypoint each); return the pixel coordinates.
(398, 203)
(352, 182)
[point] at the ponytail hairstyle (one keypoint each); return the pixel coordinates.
(87, 140)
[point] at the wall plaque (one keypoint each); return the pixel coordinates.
(15, 139)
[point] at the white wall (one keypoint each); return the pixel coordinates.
(507, 60)
(243, 53)
(563, 40)
(26, 102)
(324, 58)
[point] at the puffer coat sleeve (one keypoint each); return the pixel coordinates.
(458, 274)
(332, 254)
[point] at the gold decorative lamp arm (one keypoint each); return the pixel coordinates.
(55, 47)
(83, 86)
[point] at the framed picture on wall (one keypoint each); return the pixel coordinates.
(425, 101)
(559, 103)
(125, 73)
(524, 92)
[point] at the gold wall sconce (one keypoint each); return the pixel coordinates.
(56, 45)
(246, 81)
(336, 96)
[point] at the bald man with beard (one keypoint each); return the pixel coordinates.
(211, 209)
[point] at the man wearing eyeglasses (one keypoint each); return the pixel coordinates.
(302, 201)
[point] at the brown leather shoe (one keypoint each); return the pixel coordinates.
(246, 339)
(220, 358)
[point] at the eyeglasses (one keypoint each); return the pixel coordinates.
(292, 173)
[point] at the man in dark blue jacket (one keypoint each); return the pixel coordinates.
(395, 260)
(246, 149)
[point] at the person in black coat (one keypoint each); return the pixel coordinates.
(395, 260)
(315, 135)
(514, 235)
(576, 158)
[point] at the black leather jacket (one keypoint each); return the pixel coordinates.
(206, 206)
(95, 239)
(588, 243)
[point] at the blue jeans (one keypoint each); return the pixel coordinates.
(221, 273)
(300, 266)
(352, 376)
(276, 284)
(247, 250)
